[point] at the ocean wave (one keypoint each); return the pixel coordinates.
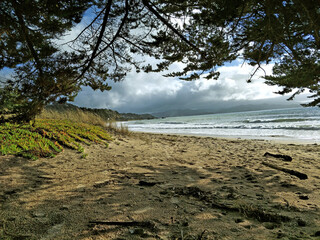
(301, 124)
(298, 128)
(173, 123)
(277, 120)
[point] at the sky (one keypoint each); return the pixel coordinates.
(152, 92)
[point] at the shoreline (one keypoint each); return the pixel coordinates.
(292, 126)
(272, 139)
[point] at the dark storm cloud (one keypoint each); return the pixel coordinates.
(154, 93)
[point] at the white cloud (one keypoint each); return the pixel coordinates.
(152, 92)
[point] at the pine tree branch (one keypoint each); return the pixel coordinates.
(103, 28)
(313, 24)
(118, 31)
(24, 31)
(164, 21)
(92, 22)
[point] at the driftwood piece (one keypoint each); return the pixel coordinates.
(147, 184)
(125, 224)
(300, 175)
(285, 158)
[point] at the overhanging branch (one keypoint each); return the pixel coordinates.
(25, 34)
(92, 22)
(164, 21)
(118, 31)
(103, 28)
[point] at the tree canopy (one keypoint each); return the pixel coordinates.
(202, 34)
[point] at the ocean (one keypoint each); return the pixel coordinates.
(294, 124)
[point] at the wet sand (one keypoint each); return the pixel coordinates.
(154, 186)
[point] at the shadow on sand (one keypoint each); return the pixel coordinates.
(176, 202)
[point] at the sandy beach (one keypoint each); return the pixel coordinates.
(153, 186)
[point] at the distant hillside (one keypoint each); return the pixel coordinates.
(237, 108)
(106, 114)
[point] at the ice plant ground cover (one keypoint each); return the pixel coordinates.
(46, 137)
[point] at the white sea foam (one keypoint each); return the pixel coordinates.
(293, 124)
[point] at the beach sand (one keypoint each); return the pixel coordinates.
(153, 186)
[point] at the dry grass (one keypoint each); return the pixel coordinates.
(121, 129)
(74, 115)
(85, 117)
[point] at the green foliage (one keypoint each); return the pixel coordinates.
(46, 137)
(43, 73)
(202, 35)
(286, 33)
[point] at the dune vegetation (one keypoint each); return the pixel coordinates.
(47, 137)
